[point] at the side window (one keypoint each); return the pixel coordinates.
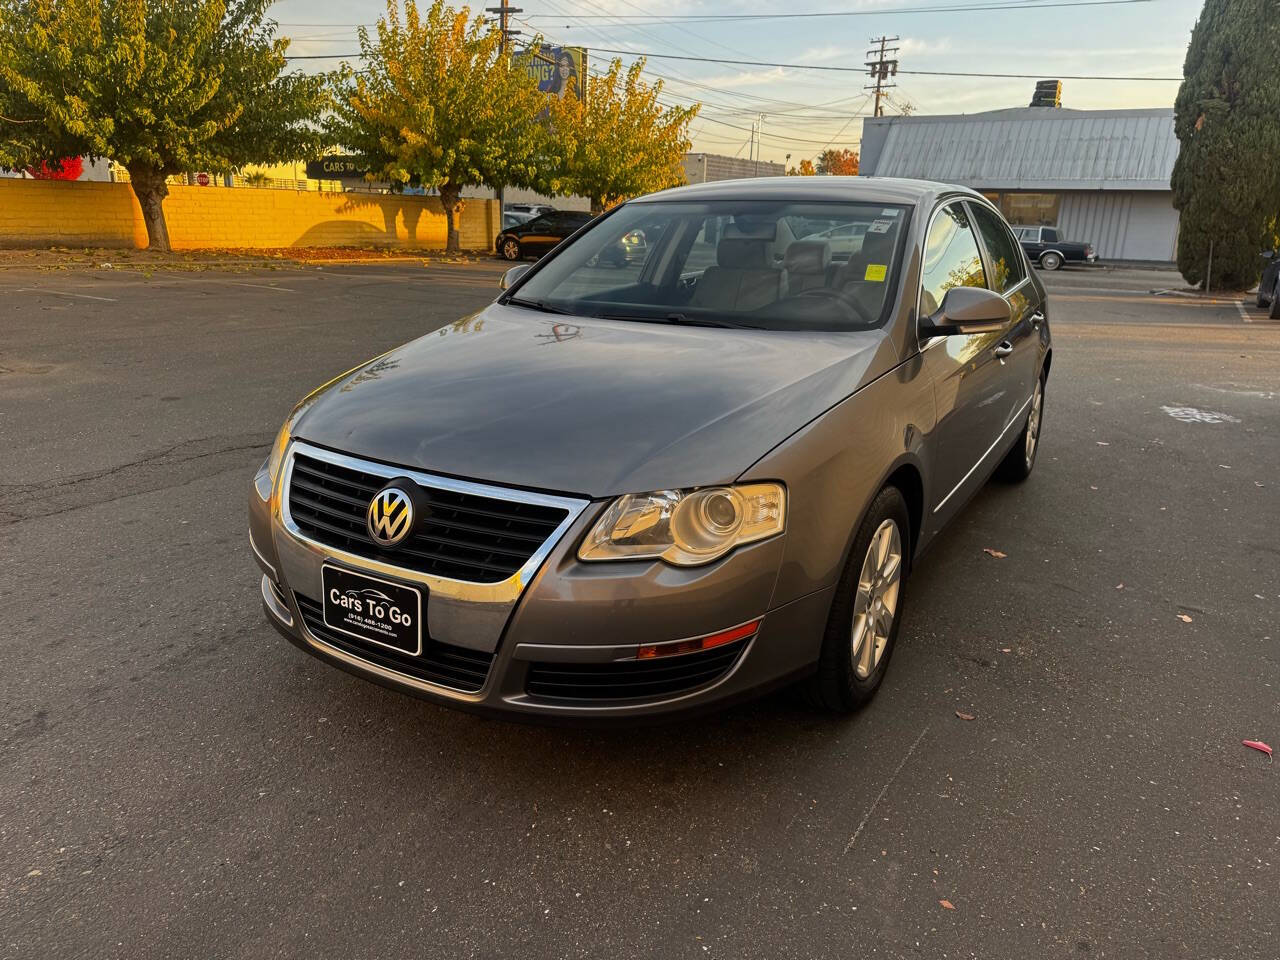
(537, 223)
(951, 258)
(1049, 235)
(1002, 250)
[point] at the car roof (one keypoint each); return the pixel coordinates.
(817, 188)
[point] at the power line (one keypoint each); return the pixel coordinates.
(651, 19)
(812, 66)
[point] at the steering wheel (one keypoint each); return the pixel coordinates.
(826, 293)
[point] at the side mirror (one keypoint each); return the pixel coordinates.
(969, 310)
(1268, 255)
(511, 276)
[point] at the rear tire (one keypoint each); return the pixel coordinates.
(1021, 459)
(1051, 261)
(862, 627)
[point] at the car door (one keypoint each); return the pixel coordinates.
(1034, 243)
(538, 235)
(969, 381)
(1008, 275)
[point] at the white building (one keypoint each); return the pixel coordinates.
(1100, 176)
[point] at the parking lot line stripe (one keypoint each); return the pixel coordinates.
(63, 293)
(1243, 314)
(259, 286)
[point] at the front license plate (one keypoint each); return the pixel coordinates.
(372, 609)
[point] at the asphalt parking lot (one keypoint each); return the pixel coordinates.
(177, 781)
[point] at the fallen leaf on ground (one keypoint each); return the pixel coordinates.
(1184, 618)
(965, 716)
(1102, 443)
(994, 553)
(1119, 586)
(947, 904)
(1258, 745)
(1006, 649)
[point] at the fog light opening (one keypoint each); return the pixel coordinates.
(651, 651)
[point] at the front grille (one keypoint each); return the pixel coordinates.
(459, 668)
(631, 679)
(467, 536)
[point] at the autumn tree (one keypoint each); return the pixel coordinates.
(619, 142)
(1226, 181)
(804, 170)
(838, 163)
(441, 106)
(159, 87)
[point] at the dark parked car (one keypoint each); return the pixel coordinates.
(1269, 286)
(645, 491)
(1043, 246)
(535, 237)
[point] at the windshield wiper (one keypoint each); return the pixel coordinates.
(679, 319)
(542, 305)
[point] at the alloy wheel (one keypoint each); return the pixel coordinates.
(876, 601)
(511, 250)
(1033, 422)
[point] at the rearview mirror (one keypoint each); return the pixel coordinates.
(969, 310)
(511, 276)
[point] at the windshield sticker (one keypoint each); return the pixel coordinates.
(876, 272)
(880, 226)
(889, 212)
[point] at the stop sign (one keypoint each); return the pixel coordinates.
(202, 179)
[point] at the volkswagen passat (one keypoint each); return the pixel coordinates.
(651, 488)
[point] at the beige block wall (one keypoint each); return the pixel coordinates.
(50, 213)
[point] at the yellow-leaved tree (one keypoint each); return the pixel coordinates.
(619, 142)
(440, 105)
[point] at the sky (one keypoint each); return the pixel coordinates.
(801, 112)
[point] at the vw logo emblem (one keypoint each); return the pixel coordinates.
(390, 516)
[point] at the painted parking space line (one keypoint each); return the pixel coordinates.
(1244, 314)
(64, 293)
(258, 286)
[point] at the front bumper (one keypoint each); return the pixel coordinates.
(558, 639)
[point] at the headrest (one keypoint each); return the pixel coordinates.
(747, 228)
(808, 256)
(738, 253)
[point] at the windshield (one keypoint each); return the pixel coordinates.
(769, 265)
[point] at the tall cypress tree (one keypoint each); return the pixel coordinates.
(1226, 182)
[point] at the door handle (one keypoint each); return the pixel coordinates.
(1037, 318)
(1003, 348)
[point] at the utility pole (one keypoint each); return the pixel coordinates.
(757, 135)
(504, 11)
(884, 66)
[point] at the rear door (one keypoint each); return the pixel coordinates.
(969, 380)
(1007, 275)
(536, 236)
(1033, 243)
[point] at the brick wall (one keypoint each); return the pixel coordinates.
(49, 213)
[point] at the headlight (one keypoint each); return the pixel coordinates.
(279, 447)
(686, 527)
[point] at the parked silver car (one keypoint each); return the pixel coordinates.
(668, 485)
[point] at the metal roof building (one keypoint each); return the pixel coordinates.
(1099, 175)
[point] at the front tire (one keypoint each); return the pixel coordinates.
(1051, 261)
(1021, 460)
(510, 249)
(862, 627)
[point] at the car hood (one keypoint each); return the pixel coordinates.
(590, 407)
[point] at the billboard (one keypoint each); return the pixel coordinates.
(559, 71)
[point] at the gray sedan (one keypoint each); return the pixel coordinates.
(652, 489)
